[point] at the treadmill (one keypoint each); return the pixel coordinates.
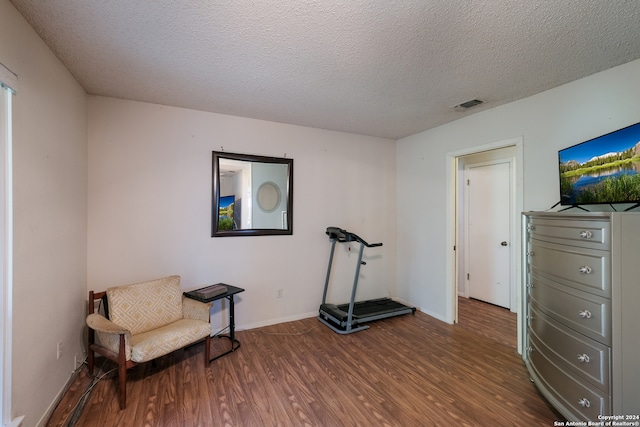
(353, 316)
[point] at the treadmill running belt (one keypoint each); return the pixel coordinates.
(382, 305)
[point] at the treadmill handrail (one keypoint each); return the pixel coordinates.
(336, 233)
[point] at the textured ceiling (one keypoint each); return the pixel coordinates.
(374, 67)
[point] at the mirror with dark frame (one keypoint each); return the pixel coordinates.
(252, 195)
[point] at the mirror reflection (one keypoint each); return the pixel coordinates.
(252, 195)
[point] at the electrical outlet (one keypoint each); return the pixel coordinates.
(279, 293)
(59, 350)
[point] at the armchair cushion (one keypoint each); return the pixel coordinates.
(146, 306)
(158, 342)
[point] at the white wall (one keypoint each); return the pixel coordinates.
(547, 122)
(150, 207)
(49, 164)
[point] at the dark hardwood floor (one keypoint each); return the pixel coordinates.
(411, 370)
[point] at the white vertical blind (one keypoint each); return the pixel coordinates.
(8, 86)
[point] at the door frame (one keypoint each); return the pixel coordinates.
(453, 213)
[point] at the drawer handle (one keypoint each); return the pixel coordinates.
(585, 269)
(584, 314)
(586, 234)
(583, 358)
(584, 402)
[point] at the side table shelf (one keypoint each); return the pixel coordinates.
(229, 295)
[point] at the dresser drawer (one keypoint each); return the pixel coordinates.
(584, 269)
(585, 234)
(578, 401)
(583, 312)
(585, 356)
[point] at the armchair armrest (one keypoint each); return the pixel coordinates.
(197, 310)
(100, 323)
(107, 337)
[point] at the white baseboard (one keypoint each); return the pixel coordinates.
(45, 417)
(315, 313)
(276, 321)
(422, 309)
(16, 421)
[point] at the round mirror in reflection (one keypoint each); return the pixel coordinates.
(268, 196)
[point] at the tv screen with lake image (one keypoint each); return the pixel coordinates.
(225, 213)
(602, 170)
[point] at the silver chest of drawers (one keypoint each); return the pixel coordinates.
(582, 301)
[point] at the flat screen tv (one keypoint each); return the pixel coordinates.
(226, 213)
(602, 170)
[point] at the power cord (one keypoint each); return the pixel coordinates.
(77, 409)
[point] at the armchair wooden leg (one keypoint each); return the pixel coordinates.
(90, 353)
(122, 385)
(122, 374)
(90, 360)
(207, 350)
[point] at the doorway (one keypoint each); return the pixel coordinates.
(508, 150)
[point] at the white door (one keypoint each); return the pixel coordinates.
(488, 232)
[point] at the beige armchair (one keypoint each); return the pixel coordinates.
(142, 322)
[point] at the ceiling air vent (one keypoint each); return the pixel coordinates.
(466, 105)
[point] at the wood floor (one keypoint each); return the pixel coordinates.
(411, 370)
